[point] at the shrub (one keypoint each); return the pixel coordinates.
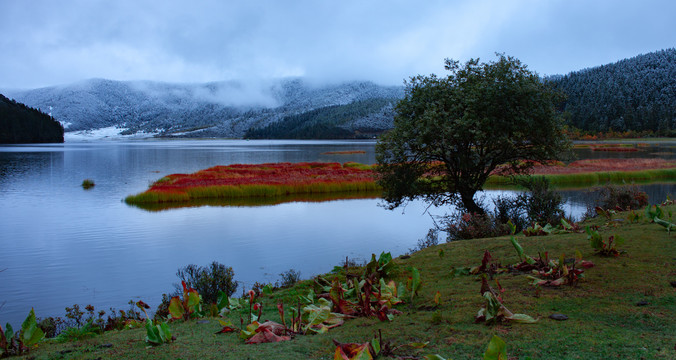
(289, 278)
(625, 197)
(208, 280)
(119, 319)
(462, 226)
(431, 239)
(541, 204)
(87, 184)
(509, 209)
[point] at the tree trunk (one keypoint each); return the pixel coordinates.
(467, 198)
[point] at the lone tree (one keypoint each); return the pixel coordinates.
(451, 133)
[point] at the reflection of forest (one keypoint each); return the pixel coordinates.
(19, 164)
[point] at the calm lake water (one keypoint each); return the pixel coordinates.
(62, 245)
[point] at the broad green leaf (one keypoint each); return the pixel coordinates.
(517, 246)
(267, 289)
(234, 303)
(497, 349)
(250, 330)
(176, 308)
(375, 344)
(152, 333)
(193, 300)
(385, 263)
(30, 332)
(521, 318)
(388, 293)
(165, 331)
(565, 224)
(222, 300)
(415, 282)
(9, 332)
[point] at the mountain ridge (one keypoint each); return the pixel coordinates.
(637, 93)
(216, 109)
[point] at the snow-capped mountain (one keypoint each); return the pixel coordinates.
(217, 109)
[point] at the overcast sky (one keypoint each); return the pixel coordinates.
(54, 42)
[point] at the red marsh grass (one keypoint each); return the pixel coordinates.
(260, 181)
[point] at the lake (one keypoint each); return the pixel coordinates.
(61, 244)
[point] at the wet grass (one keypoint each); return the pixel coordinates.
(604, 319)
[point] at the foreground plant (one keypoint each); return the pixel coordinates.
(550, 272)
(375, 348)
(157, 333)
(186, 308)
(494, 311)
(16, 343)
(604, 247)
(89, 330)
(657, 214)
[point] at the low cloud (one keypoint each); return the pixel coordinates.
(46, 43)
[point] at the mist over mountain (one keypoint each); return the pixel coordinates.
(217, 109)
(632, 94)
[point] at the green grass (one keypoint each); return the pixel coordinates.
(563, 181)
(604, 321)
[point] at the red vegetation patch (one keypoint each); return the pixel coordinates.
(596, 165)
(264, 174)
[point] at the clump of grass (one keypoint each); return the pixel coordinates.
(87, 331)
(289, 278)
(87, 184)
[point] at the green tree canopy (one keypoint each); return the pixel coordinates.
(451, 133)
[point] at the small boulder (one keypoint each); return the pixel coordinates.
(558, 317)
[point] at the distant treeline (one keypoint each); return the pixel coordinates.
(324, 123)
(636, 94)
(22, 124)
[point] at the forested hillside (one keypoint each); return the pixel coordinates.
(633, 94)
(357, 120)
(22, 124)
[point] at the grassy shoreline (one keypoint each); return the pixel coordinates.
(605, 319)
